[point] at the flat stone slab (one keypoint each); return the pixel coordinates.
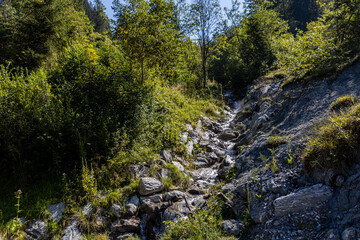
(304, 199)
(150, 185)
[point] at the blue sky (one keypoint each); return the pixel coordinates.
(109, 12)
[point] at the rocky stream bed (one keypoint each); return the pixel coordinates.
(283, 201)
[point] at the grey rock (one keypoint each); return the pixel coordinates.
(350, 234)
(201, 162)
(163, 173)
(184, 137)
(133, 200)
(257, 211)
(276, 185)
(189, 127)
(306, 198)
(87, 209)
(131, 209)
(174, 196)
(233, 227)
(189, 147)
(259, 122)
(150, 185)
(126, 225)
(228, 162)
(204, 143)
(153, 198)
(227, 135)
(332, 234)
(166, 156)
(117, 210)
(178, 165)
(127, 236)
(178, 209)
(264, 106)
(72, 232)
(340, 180)
(37, 229)
(138, 171)
(213, 156)
(223, 172)
(56, 211)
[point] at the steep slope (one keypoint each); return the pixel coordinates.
(288, 203)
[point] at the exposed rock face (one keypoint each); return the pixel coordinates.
(304, 199)
(150, 185)
(56, 211)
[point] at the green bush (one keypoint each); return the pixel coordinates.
(203, 224)
(30, 123)
(275, 141)
(342, 102)
(96, 84)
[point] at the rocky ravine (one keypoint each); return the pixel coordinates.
(282, 204)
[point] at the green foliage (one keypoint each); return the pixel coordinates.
(335, 144)
(148, 32)
(32, 30)
(203, 224)
(250, 50)
(88, 181)
(29, 117)
(275, 141)
(342, 102)
(274, 166)
(310, 53)
(178, 178)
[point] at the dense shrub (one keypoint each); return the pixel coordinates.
(30, 123)
(97, 85)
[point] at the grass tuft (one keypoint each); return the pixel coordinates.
(342, 102)
(335, 144)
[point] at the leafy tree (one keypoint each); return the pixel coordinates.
(148, 33)
(96, 15)
(205, 15)
(250, 50)
(32, 30)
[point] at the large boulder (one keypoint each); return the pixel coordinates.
(309, 197)
(150, 185)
